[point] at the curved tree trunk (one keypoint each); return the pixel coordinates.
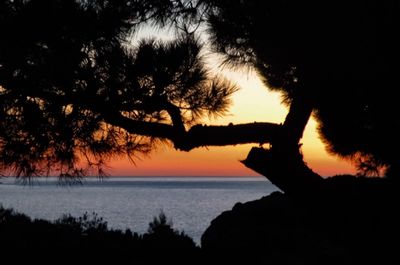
(283, 163)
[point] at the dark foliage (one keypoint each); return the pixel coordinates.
(88, 232)
(342, 56)
(160, 234)
(74, 91)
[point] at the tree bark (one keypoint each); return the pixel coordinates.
(283, 163)
(198, 135)
(232, 134)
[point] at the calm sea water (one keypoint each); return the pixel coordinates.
(191, 203)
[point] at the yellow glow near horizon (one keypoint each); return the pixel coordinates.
(253, 102)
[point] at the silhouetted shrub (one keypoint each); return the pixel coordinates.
(87, 232)
(161, 235)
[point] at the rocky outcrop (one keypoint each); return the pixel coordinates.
(355, 223)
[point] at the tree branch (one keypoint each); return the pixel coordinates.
(151, 129)
(198, 135)
(257, 132)
(185, 140)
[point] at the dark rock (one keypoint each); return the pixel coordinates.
(354, 221)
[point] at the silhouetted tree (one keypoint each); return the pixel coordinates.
(336, 60)
(73, 87)
(74, 92)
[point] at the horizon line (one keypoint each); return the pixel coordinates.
(146, 176)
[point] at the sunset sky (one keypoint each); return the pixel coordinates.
(253, 102)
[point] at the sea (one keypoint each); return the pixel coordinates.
(190, 203)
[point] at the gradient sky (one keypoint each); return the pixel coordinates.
(253, 102)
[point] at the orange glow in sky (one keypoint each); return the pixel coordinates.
(253, 102)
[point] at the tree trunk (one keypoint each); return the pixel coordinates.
(283, 163)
